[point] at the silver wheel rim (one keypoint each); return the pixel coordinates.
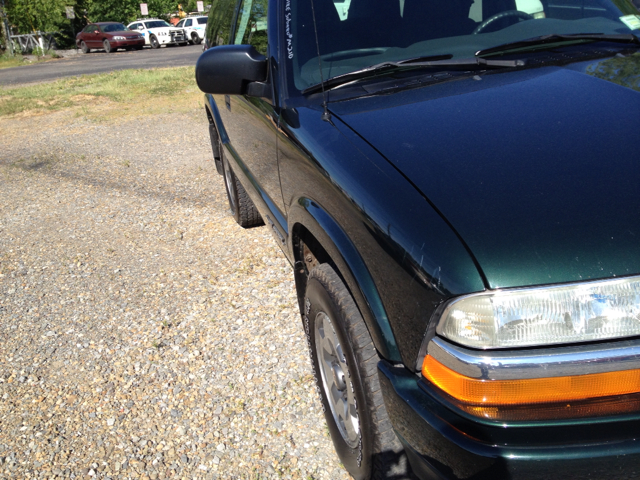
(228, 180)
(336, 380)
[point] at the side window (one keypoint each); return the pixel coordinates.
(89, 28)
(188, 23)
(219, 24)
(180, 23)
(252, 25)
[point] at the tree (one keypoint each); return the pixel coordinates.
(29, 16)
(126, 11)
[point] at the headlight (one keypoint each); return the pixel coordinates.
(119, 38)
(544, 315)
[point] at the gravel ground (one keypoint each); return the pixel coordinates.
(143, 334)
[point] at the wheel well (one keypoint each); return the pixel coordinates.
(308, 252)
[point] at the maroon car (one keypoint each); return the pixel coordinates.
(108, 36)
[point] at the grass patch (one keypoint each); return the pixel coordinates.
(138, 91)
(8, 61)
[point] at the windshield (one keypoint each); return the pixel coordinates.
(156, 24)
(353, 34)
(114, 27)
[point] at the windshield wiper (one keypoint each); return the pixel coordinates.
(555, 40)
(436, 62)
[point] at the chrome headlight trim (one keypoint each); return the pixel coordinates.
(537, 363)
(542, 316)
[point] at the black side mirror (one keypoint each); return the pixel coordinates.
(232, 70)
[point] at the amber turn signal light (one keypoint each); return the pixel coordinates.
(531, 390)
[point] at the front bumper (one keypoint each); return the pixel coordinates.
(178, 36)
(444, 444)
(127, 43)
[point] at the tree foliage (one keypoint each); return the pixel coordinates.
(29, 16)
(126, 11)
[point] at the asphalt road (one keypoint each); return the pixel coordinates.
(100, 62)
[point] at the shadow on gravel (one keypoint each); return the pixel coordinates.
(34, 164)
(160, 189)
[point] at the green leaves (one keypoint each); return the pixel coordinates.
(126, 11)
(35, 15)
(28, 16)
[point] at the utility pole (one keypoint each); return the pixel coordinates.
(6, 33)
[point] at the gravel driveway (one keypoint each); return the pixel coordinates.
(143, 334)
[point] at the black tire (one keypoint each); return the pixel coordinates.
(242, 207)
(154, 42)
(195, 38)
(107, 46)
(84, 48)
(366, 444)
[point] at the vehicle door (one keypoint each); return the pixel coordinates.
(188, 28)
(251, 122)
(94, 37)
(85, 36)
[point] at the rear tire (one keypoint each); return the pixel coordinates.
(154, 42)
(242, 207)
(84, 48)
(345, 366)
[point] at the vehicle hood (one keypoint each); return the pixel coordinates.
(537, 170)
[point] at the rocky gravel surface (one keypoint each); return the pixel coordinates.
(143, 334)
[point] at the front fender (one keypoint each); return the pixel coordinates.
(359, 281)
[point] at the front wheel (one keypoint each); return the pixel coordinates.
(345, 366)
(242, 207)
(195, 38)
(154, 42)
(107, 46)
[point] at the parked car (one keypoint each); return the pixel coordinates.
(109, 36)
(194, 28)
(456, 189)
(157, 32)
